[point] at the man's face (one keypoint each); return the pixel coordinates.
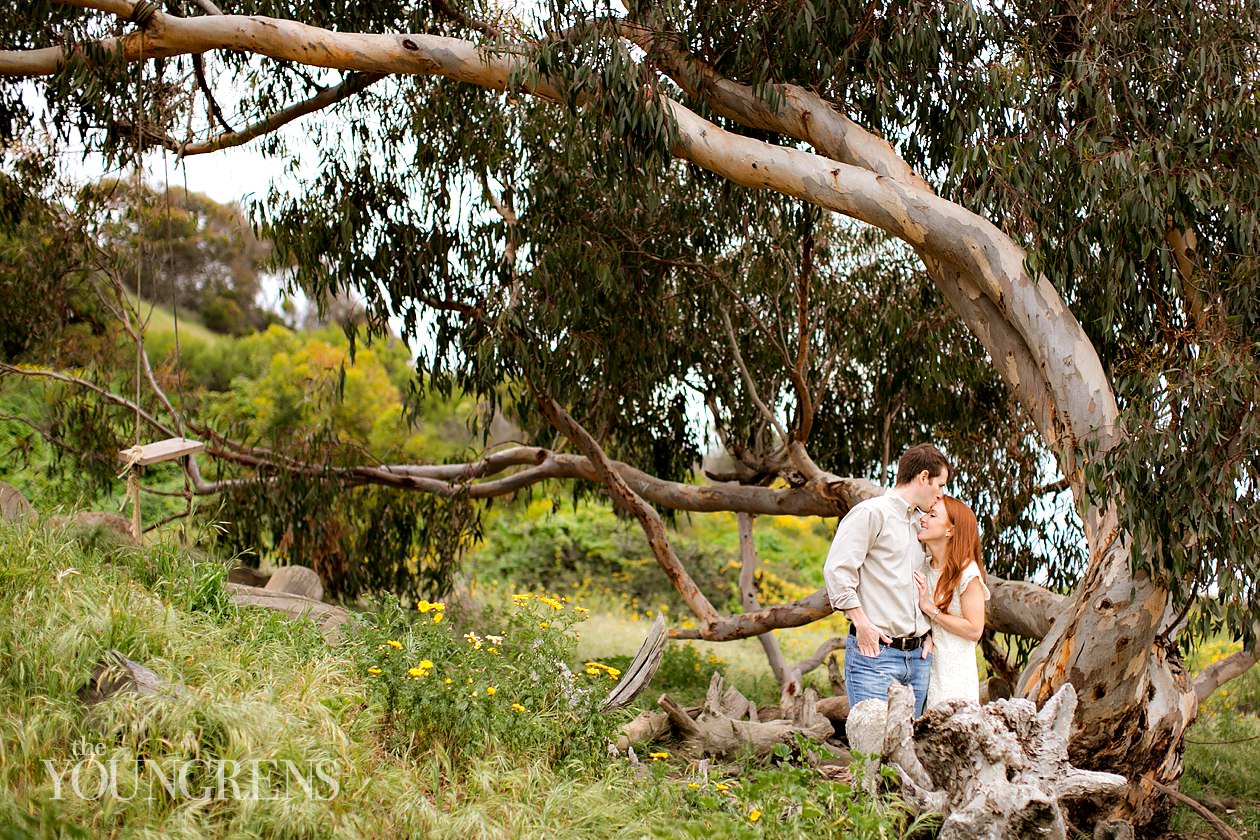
(930, 489)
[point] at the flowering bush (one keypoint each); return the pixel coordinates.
(505, 685)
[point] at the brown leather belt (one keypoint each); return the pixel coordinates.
(898, 642)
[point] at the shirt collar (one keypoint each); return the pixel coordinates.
(901, 504)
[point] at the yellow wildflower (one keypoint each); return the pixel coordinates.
(607, 669)
(437, 617)
(447, 681)
(754, 815)
(582, 610)
(551, 602)
(424, 606)
(417, 672)
(522, 597)
(542, 625)
(518, 708)
(655, 756)
(693, 785)
(396, 645)
(720, 786)
(374, 671)
(491, 690)
(591, 672)
(493, 650)
(426, 664)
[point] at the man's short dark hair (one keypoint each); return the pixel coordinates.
(916, 459)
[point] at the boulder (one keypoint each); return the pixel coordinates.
(13, 505)
(93, 525)
(296, 580)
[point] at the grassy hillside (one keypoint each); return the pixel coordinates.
(259, 691)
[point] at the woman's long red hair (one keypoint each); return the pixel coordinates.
(963, 548)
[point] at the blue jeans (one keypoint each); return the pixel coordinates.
(868, 677)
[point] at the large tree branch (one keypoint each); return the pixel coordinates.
(833, 499)
(1017, 608)
(1071, 375)
(1222, 671)
(1021, 608)
(802, 114)
(108, 396)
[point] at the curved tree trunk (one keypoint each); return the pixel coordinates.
(1136, 698)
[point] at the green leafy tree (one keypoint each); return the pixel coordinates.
(194, 253)
(597, 213)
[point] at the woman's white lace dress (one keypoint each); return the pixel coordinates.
(954, 674)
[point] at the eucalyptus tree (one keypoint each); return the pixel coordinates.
(603, 209)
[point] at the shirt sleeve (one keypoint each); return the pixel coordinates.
(969, 574)
(848, 551)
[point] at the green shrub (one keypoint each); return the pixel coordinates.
(505, 686)
(592, 553)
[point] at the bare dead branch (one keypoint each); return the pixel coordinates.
(819, 656)
(628, 500)
(748, 380)
(1216, 822)
(108, 396)
(748, 596)
(351, 85)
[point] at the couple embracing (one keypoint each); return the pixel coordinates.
(905, 568)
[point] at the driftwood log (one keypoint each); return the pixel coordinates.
(641, 669)
(728, 723)
(997, 772)
(115, 673)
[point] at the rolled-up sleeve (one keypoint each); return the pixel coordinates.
(847, 553)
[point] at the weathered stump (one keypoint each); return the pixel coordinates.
(997, 772)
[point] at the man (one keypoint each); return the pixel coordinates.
(869, 574)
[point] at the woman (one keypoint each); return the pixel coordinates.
(952, 596)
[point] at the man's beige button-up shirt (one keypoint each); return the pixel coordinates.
(872, 561)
